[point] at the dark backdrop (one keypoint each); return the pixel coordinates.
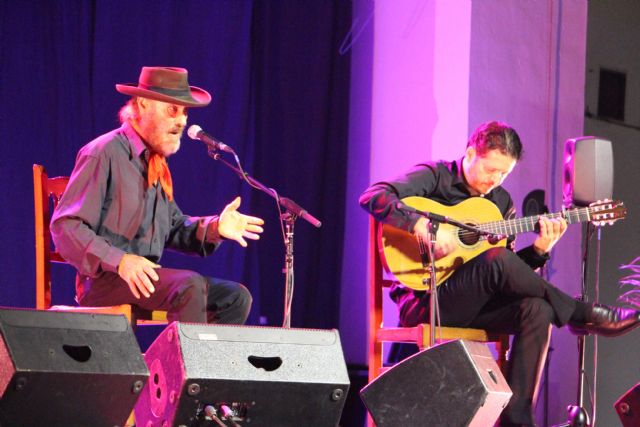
(280, 98)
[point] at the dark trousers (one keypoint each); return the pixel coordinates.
(497, 291)
(186, 296)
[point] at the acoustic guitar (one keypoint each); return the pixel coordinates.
(400, 251)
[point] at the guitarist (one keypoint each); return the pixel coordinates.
(498, 289)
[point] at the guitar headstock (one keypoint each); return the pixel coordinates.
(606, 211)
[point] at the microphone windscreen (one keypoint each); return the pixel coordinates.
(193, 131)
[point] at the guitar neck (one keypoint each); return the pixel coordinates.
(509, 227)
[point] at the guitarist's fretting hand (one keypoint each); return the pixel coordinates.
(550, 232)
(445, 241)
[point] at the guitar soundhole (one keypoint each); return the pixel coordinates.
(467, 237)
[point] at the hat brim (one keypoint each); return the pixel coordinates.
(197, 98)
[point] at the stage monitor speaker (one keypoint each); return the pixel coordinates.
(588, 171)
(67, 369)
(243, 375)
(628, 407)
(457, 383)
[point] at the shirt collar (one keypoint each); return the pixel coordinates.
(458, 178)
(456, 170)
(137, 145)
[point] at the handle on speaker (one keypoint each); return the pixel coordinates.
(267, 363)
(492, 375)
(79, 353)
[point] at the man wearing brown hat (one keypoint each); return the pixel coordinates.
(118, 212)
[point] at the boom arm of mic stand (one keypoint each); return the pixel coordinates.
(286, 203)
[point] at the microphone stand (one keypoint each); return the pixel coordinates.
(292, 211)
(430, 263)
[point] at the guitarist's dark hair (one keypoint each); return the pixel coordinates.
(496, 136)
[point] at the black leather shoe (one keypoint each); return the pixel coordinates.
(607, 321)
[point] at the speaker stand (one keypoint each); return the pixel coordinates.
(577, 415)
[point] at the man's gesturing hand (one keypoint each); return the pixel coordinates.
(236, 226)
(138, 272)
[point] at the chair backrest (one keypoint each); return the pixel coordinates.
(46, 191)
(377, 283)
(377, 280)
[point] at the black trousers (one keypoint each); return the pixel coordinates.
(499, 292)
(186, 296)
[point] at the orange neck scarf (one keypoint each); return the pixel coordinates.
(159, 171)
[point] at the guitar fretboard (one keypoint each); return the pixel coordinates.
(509, 227)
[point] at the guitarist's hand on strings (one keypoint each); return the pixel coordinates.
(551, 229)
(445, 241)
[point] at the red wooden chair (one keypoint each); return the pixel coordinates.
(46, 190)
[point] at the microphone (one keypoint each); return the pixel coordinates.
(196, 132)
(297, 210)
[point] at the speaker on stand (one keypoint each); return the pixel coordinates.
(587, 177)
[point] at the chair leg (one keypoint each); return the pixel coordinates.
(370, 422)
(375, 359)
(131, 421)
(502, 348)
(375, 365)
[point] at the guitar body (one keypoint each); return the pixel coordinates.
(400, 250)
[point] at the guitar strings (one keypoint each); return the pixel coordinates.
(517, 225)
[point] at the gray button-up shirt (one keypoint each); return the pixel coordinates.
(108, 210)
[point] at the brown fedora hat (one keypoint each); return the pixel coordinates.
(166, 84)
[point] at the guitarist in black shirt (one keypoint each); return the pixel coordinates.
(495, 288)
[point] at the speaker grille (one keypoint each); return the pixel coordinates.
(588, 171)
